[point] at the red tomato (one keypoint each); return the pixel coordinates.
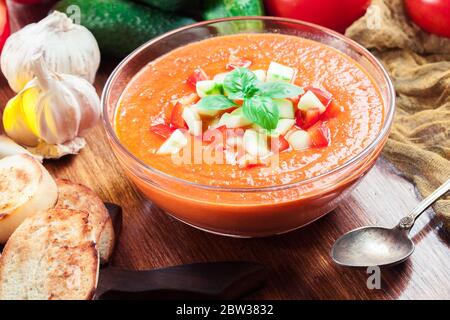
(332, 111)
(279, 144)
(324, 96)
(5, 30)
(431, 15)
(162, 130)
(333, 14)
(307, 118)
(176, 118)
(319, 135)
(198, 75)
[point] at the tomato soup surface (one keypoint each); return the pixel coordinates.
(147, 100)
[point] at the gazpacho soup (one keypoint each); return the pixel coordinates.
(249, 110)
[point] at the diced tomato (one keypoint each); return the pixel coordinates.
(198, 75)
(236, 62)
(162, 130)
(319, 135)
(307, 118)
(279, 144)
(211, 134)
(254, 165)
(176, 118)
(324, 96)
(332, 111)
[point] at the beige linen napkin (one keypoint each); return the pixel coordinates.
(419, 65)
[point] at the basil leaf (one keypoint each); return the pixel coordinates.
(240, 83)
(262, 111)
(279, 90)
(215, 102)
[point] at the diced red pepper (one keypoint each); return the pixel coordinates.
(324, 96)
(236, 62)
(279, 144)
(319, 135)
(176, 118)
(198, 75)
(332, 111)
(307, 118)
(162, 130)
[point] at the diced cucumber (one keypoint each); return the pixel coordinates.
(205, 112)
(220, 77)
(260, 75)
(310, 101)
(255, 143)
(279, 72)
(208, 87)
(193, 121)
(235, 119)
(299, 139)
(286, 108)
(174, 143)
(283, 126)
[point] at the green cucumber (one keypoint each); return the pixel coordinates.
(285, 107)
(121, 26)
(279, 72)
(169, 5)
(208, 87)
(215, 9)
(232, 8)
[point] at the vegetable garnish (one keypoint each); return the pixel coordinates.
(258, 106)
(216, 102)
(242, 111)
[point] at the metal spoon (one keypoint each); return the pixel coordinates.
(379, 246)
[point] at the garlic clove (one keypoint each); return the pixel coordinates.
(15, 123)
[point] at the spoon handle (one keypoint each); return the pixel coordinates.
(408, 221)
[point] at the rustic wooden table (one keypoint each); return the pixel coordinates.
(299, 262)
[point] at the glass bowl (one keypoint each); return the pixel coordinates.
(246, 212)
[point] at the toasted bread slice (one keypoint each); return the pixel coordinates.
(78, 197)
(26, 187)
(51, 255)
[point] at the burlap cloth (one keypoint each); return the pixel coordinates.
(419, 65)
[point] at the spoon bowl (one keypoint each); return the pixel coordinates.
(372, 246)
(379, 246)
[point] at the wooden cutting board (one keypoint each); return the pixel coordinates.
(299, 263)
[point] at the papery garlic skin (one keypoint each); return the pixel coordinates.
(54, 108)
(66, 47)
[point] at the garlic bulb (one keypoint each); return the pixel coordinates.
(66, 47)
(54, 108)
